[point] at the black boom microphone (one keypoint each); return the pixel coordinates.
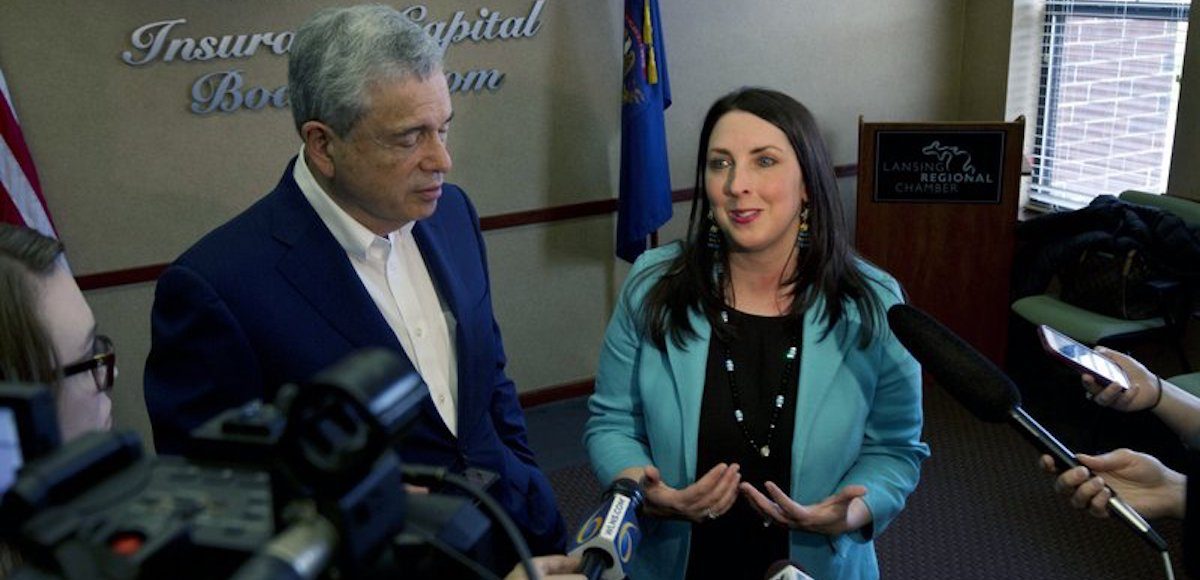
(990, 395)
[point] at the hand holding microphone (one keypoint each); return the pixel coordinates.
(556, 567)
(1150, 488)
(990, 395)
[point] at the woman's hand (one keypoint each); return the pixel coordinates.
(706, 499)
(1143, 390)
(841, 512)
(556, 567)
(1149, 487)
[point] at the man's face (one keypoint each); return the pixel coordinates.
(388, 170)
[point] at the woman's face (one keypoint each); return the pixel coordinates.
(71, 329)
(754, 185)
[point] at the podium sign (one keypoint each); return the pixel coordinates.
(937, 208)
(938, 166)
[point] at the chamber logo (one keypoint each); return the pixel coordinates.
(962, 166)
(950, 157)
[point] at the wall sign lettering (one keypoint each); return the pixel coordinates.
(230, 91)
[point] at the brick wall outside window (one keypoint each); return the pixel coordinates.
(1108, 107)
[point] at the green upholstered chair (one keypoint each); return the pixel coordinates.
(1186, 209)
(1189, 382)
(1093, 328)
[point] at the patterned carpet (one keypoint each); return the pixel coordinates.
(577, 491)
(982, 510)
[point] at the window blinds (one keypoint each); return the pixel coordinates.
(1107, 96)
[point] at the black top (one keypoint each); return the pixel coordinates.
(736, 545)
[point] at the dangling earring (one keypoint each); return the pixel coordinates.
(715, 243)
(803, 236)
(714, 234)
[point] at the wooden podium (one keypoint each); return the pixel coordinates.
(937, 208)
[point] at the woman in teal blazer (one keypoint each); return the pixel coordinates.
(766, 249)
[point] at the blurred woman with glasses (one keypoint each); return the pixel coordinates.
(48, 333)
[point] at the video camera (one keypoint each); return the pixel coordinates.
(311, 486)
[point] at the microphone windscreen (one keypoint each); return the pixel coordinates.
(970, 377)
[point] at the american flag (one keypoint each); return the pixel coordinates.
(21, 200)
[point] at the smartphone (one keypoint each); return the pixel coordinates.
(1082, 358)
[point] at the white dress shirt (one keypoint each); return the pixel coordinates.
(394, 274)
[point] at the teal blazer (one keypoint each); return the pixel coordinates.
(858, 421)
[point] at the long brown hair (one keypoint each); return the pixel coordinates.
(25, 350)
(828, 268)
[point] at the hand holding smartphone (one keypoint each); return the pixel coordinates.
(1082, 358)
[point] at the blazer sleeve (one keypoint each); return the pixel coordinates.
(616, 436)
(531, 504)
(504, 406)
(889, 463)
(200, 361)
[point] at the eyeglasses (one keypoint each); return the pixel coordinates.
(101, 364)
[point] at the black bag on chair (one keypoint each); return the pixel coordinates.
(1111, 282)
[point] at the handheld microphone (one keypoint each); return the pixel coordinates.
(786, 570)
(990, 395)
(607, 538)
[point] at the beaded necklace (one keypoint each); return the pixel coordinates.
(789, 356)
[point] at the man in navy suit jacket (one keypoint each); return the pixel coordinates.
(360, 244)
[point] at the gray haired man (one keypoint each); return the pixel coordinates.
(361, 244)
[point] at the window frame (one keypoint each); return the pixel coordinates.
(1052, 43)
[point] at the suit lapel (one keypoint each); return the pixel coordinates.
(317, 267)
(820, 360)
(689, 365)
(431, 241)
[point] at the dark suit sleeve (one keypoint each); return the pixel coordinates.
(505, 408)
(544, 527)
(200, 361)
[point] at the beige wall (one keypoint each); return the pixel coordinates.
(1185, 159)
(132, 178)
(984, 64)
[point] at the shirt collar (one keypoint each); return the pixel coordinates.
(354, 237)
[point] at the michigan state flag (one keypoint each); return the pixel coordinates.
(644, 203)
